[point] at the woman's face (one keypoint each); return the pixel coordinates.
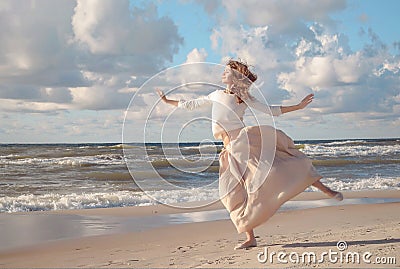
(227, 76)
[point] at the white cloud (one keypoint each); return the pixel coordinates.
(214, 38)
(10, 105)
(196, 55)
(65, 58)
(347, 81)
(284, 16)
(109, 27)
(297, 50)
(33, 43)
(53, 49)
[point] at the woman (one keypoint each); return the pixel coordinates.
(251, 192)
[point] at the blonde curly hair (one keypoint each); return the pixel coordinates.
(242, 78)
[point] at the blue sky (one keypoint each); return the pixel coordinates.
(381, 16)
(68, 69)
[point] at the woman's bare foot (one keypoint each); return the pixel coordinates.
(247, 244)
(335, 195)
(338, 196)
(250, 241)
(331, 193)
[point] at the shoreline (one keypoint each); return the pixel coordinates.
(284, 226)
(193, 206)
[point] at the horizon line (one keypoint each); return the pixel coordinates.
(218, 141)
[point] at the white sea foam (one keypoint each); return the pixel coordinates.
(53, 201)
(353, 150)
(203, 146)
(373, 183)
(70, 161)
(345, 142)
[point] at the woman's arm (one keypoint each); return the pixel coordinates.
(189, 104)
(308, 99)
(168, 101)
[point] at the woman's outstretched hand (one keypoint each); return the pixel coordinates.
(165, 100)
(161, 94)
(308, 99)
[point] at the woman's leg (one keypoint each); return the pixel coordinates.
(331, 193)
(250, 242)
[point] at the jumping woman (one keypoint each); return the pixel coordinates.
(251, 186)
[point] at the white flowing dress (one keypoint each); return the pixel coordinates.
(260, 169)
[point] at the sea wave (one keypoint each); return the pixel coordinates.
(374, 183)
(104, 159)
(56, 201)
(120, 146)
(186, 163)
(340, 162)
(110, 176)
(52, 201)
(359, 150)
(203, 149)
(346, 142)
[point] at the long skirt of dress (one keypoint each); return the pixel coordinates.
(260, 169)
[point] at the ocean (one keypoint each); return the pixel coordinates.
(40, 177)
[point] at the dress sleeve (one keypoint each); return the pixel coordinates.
(274, 110)
(195, 103)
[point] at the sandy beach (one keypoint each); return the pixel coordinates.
(371, 232)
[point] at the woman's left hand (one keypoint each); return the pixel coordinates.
(308, 99)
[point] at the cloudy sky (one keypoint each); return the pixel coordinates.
(69, 69)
